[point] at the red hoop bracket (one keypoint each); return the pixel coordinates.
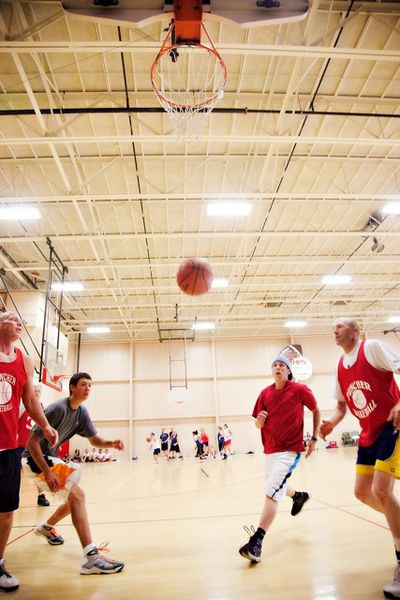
(188, 18)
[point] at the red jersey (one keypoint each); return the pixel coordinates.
(12, 380)
(283, 429)
(369, 393)
(25, 425)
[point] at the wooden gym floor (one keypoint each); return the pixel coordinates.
(178, 526)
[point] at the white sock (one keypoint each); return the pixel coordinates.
(89, 548)
(46, 524)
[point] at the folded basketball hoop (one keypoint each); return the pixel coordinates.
(188, 77)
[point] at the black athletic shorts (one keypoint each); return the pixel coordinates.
(10, 479)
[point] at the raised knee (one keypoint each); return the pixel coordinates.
(76, 495)
(361, 495)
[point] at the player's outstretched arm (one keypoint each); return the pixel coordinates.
(99, 442)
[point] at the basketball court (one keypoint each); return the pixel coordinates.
(189, 189)
(178, 526)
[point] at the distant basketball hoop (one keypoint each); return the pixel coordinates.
(188, 77)
(178, 395)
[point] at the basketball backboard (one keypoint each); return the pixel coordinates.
(54, 367)
(138, 13)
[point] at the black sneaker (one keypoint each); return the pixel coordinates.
(252, 550)
(299, 499)
(42, 500)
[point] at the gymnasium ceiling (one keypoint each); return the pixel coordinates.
(311, 141)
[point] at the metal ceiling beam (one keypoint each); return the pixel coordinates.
(233, 139)
(261, 284)
(198, 234)
(216, 304)
(139, 264)
(245, 111)
(78, 47)
(183, 196)
(117, 98)
(229, 319)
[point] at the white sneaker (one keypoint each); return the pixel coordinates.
(51, 535)
(392, 589)
(8, 583)
(96, 564)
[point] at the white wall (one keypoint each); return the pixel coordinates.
(131, 384)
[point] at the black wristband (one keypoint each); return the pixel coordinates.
(314, 439)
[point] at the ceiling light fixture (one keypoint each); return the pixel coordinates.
(336, 279)
(98, 329)
(394, 319)
(67, 286)
(19, 213)
(203, 326)
(295, 324)
(220, 282)
(392, 208)
(228, 209)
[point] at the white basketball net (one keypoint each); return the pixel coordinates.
(188, 80)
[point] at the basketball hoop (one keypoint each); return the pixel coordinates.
(188, 79)
(53, 381)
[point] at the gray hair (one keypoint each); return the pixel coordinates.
(349, 321)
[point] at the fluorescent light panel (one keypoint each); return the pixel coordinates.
(203, 326)
(98, 329)
(19, 213)
(335, 279)
(295, 324)
(392, 208)
(220, 282)
(394, 319)
(228, 209)
(67, 286)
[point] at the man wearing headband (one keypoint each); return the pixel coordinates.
(279, 414)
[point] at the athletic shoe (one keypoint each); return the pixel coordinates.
(8, 583)
(97, 564)
(42, 500)
(299, 500)
(51, 535)
(392, 589)
(252, 550)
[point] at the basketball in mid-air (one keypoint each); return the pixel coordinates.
(148, 439)
(195, 276)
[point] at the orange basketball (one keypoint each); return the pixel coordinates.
(148, 439)
(195, 276)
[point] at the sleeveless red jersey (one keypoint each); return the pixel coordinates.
(369, 393)
(25, 425)
(12, 380)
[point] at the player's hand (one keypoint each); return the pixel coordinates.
(118, 445)
(325, 429)
(51, 436)
(52, 481)
(310, 447)
(394, 415)
(261, 418)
